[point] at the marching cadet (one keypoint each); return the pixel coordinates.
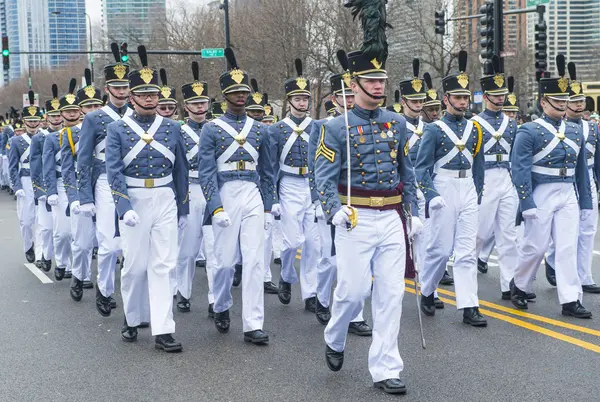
(237, 178)
(450, 172)
(7, 133)
(89, 97)
(289, 150)
(331, 109)
(432, 107)
(396, 107)
(498, 207)
(55, 189)
(148, 176)
(269, 117)
(167, 98)
(588, 226)
(255, 108)
(369, 236)
(196, 103)
(3, 142)
(326, 264)
(551, 176)
(94, 191)
(20, 182)
(511, 108)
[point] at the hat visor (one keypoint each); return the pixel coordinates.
(340, 92)
(236, 88)
(118, 83)
(32, 118)
(503, 91)
(146, 89)
(459, 92)
(298, 92)
(201, 99)
(53, 113)
(91, 102)
(70, 107)
(576, 98)
(510, 108)
(415, 97)
(558, 97)
(258, 108)
(167, 101)
(373, 75)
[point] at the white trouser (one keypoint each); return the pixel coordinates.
(61, 229)
(150, 252)
(326, 266)
(243, 240)
(558, 219)
(375, 247)
(108, 244)
(44, 226)
(488, 247)
(26, 213)
(189, 242)
(497, 215)
(272, 237)
(201, 256)
(5, 170)
(2, 176)
(453, 227)
(299, 231)
(82, 244)
(585, 241)
(419, 240)
(208, 244)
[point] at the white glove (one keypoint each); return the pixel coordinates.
(88, 210)
(42, 199)
(268, 221)
(319, 212)
(182, 222)
(342, 217)
(20, 193)
(131, 218)
(53, 200)
(531, 213)
(585, 214)
(276, 210)
(437, 203)
(75, 208)
(416, 226)
(222, 219)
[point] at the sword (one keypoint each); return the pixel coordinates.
(408, 215)
(353, 216)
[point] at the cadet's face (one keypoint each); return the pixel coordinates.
(147, 100)
(375, 87)
(415, 105)
(89, 108)
(511, 115)
(197, 108)
(71, 114)
(433, 112)
(554, 108)
(166, 109)
(339, 99)
(31, 126)
(457, 104)
(19, 131)
(268, 122)
(120, 92)
(54, 119)
(238, 98)
(577, 106)
(300, 102)
(256, 114)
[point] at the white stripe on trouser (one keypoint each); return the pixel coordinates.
(327, 267)
(453, 227)
(150, 252)
(299, 231)
(82, 241)
(497, 213)
(189, 242)
(558, 219)
(43, 230)
(585, 241)
(243, 203)
(26, 213)
(375, 247)
(273, 244)
(5, 170)
(108, 245)
(61, 229)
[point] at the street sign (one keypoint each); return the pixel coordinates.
(533, 3)
(213, 53)
(477, 97)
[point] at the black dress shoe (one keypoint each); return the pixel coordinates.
(144, 324)
(88, 285)
(427, 305)
(590, 288)
(550, 273)
(517, 296)
(310, 304)
(167, 343)
(45, 265)
(211, 311)
(113, 302)
(237, 276)
(129, 334)
(271, 288)
(447, 279)
(201, 264)
(277, 261)
(222, 321)
(391, 386)
(506, 295)
(284, 292)
(438, 303)
(76, 290)
(258, 337)
(334, 359)
(59, 273)
(68, 274)
(95, 253)
(473, 317)
(322, 313)
(30, 255)
(360, 328)
(482, 266)
(183, 305)
(102, 304)
(531, 296)
(575, 309)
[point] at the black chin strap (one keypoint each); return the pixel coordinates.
(494, 103)
(296, 109)
(115, 96)
(427, 115)
(170, 115)
(368, 94)
(195, 113)
(413, 110)
(554, 107)
(460, 110)
(33, 127)
(574, 111)
(143, 107)
(71, 120)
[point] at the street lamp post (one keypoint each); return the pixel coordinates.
(91, 48)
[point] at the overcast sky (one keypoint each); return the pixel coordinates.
(94, 7)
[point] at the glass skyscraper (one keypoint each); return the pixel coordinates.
(67, 29)
(131, 20)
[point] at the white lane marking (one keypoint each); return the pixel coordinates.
(36, 271)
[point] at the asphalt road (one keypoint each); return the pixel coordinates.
(59, 350)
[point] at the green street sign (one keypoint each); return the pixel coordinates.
(533, 3)
(213, 53)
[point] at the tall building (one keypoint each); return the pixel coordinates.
(67, 29)
(131, 20)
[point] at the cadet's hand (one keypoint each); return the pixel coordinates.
(42, 199)
(585, 214)
(182, 222)
(416, 226)
(342, 217)
(437, 203)
(222, 219)
(20, 193)
(53, 200)
(276, 210)
(131, 218)
(268, 221)
(531, 213)
(88, 210)
(75, 208)
(319, 212)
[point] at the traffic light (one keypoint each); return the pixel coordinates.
(541, 47)
(440, 22)
(124, 55)
(5, 53)
(486, 30)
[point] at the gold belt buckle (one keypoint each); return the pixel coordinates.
(376, 201)
(303, 170)
(499, 157)
(149, 183)
(241, 165)
(562, 172)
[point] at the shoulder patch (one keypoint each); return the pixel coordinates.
(323, 150)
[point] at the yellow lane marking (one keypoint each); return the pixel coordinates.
(523, 314)
(531, 327)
